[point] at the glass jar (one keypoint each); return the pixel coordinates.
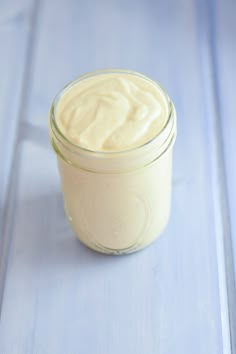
(116, 202)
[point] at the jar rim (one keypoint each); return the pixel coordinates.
(75, 148)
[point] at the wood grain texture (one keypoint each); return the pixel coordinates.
(59, 297)
(14, 38)
(224, 55)
(16, 41)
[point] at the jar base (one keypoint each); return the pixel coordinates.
(113, 252)
(110, 251)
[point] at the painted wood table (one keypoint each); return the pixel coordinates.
(178, 295)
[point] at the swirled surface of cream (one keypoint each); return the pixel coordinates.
(112, 112)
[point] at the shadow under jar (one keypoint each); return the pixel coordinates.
(117, 202)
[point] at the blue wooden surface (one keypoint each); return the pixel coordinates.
(14, 39)
(177, 296)
(224, 29)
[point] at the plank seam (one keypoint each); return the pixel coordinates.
(221, 192)
(10, 202)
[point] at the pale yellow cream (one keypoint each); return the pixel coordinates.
(112, 112)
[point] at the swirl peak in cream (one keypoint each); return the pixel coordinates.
(112, 112)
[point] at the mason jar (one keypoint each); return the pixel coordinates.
(116, 202)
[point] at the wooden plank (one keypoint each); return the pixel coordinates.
(15, 39)
(223, 48)
(62, 298)
(225, 58)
